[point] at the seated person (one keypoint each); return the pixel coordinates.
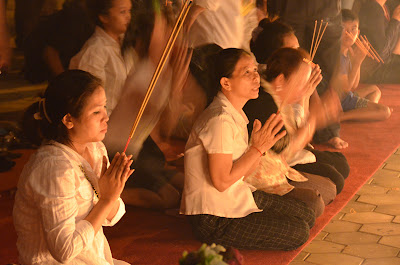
(102, 55)
(288, 73)
(154, 184)
(383, 32)
(267, 38)
(68, 190)
(220, 206)
(357, 103)
(56, 39)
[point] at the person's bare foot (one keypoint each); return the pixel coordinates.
(337, 143)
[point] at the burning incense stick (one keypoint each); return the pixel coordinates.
(313, 36)
(318, 41)
(168, 47)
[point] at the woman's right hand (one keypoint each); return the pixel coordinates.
(112, 179)
(263, 138)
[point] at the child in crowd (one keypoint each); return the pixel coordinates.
(267, 38)
(221, 207)
(357, 103)
(68, 190)
(102, 55)
(382, 29)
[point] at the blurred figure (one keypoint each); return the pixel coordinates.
(383, 31)
(102, 55)
(216, 21)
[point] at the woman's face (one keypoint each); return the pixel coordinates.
(293, 88)
(245, 80)
(118, 17)
(91, 126)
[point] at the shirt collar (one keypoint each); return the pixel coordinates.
(239, 116)
(107, 38)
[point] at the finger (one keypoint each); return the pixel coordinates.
(119, 167)
(277, 128)
(104, 166)
(256, 125)
(279, 136)
(269, 120)
(126, 171)
(112, 165)
(272, 123)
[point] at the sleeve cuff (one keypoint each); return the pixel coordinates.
(121, 211)
(86, 231)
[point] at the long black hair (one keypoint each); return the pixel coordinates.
(66, 94)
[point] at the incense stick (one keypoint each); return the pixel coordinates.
(313, 36)
(319, 40)
(369, 49)
(373, 49)
(167, 50)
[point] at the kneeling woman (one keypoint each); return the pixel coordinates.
(67, 191)
(221, 207)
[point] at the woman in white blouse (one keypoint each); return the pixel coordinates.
(68, 191)
(221, 207)
(102, 55)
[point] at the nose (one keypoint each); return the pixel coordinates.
(257, 77)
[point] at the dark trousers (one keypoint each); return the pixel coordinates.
(332, 165)
(283, 224)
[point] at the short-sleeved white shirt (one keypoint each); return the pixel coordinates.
(51, 204)
(101, 56)
(220, 129)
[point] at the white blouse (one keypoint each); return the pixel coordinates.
(52, 200)
(101, 56)
(219, 129)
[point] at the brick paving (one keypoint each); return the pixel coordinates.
(367, 230)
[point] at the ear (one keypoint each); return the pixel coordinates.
(280, 80)
(68, 122)
(103, 19)
(225, 84)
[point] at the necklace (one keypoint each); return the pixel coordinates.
(84, 173)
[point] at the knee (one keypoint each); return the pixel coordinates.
(386, 112)
(299, 237)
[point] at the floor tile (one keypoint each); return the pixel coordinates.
(393, 241)
(301, 263)
(380, 199)
(352, 238)
(396, 219)
(372, 189)
(382, 261)
(393, 166)
(368, 217)
(319, 246)
(339, 216)
(383, 229)
(387, 178)
(301, 257)
(393, 159)
(370, 251)
(341, 226)
(355, 207)
(321, 236)
(334, 259)
(391, 209)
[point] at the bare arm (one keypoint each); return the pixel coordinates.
(224, 172)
